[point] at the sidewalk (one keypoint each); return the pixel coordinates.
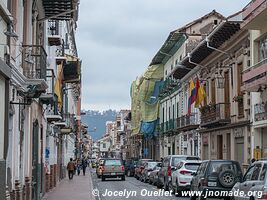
(80, 187)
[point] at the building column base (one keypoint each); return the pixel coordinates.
(18, 190)
(28, 188)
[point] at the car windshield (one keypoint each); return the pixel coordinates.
(143, 162)
(192, 166)
(217, 167)
(113, 162)
(151, 165)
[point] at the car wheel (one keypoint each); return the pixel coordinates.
(128, 173)
(176, 190)
(123, 178)
(103, 178)
(158, 184)
(227, 178)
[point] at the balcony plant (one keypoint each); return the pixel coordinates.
(238, 98)
(204, 109)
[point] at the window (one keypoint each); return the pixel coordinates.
(104, 145)
(263, 172)
(248, 174)
(215, 22)
(256, 172)
(166, 72)
(263, 49)
(171, 66)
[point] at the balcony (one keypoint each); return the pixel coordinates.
(255, 77)
(34, 70)
(54, 38)
(59, 9)
(254, 14)
(187, 122)
(260, 112)
(72, 71)
(169, 86)
(215, 115)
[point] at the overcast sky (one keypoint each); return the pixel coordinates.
(116, 40)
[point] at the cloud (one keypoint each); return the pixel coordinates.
(117, 39)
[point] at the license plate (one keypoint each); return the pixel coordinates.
(113, 173)
(212, 184)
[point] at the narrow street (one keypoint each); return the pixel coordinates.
(131, 185)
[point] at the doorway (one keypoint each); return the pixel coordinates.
(219, 146)
(35, 146)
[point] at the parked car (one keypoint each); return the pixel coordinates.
(182, 176)
(113, 168)
(130, 165)
(216, 175)
(149, 166)
(99, 167)
(168, 166)
(140, 166)
(153, 176)
(254, 182)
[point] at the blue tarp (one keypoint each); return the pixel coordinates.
(155, 95)
(149, 128)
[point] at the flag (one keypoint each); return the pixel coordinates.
(191, 88)
(201, 95)
(58, 86)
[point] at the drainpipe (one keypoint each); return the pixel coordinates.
(221, 51)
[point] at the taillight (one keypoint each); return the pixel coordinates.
(264, 196)
(169, 171)
(264, 193)
(185, 172)
(122, 167)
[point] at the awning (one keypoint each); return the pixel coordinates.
(216, 38)
(170, 46)
(59, 9)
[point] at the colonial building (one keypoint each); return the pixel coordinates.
(255, 75)
(43, 95)
(178, 128)
(219, 60)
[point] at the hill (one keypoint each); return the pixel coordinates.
(98, 119)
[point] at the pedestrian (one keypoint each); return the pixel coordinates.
(84, 165)
(78, 166)
(71, 168)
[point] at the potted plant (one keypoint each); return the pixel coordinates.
(238, 98)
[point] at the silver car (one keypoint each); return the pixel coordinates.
(253, 186)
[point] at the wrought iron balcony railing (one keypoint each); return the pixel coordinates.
(36, 57)
(215, 114)
(187, 122)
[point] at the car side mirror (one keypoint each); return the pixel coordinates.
(173, 168)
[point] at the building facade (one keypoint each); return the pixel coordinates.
(254, 75)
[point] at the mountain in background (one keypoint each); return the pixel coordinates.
(94, 118)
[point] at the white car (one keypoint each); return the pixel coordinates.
(182, 176)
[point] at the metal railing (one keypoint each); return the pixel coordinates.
(34, 56)
(53, 27)
(215, 112)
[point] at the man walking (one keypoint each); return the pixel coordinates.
(84, 165)
(71, 168)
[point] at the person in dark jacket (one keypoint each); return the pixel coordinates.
(71, 168)
(84, 165)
